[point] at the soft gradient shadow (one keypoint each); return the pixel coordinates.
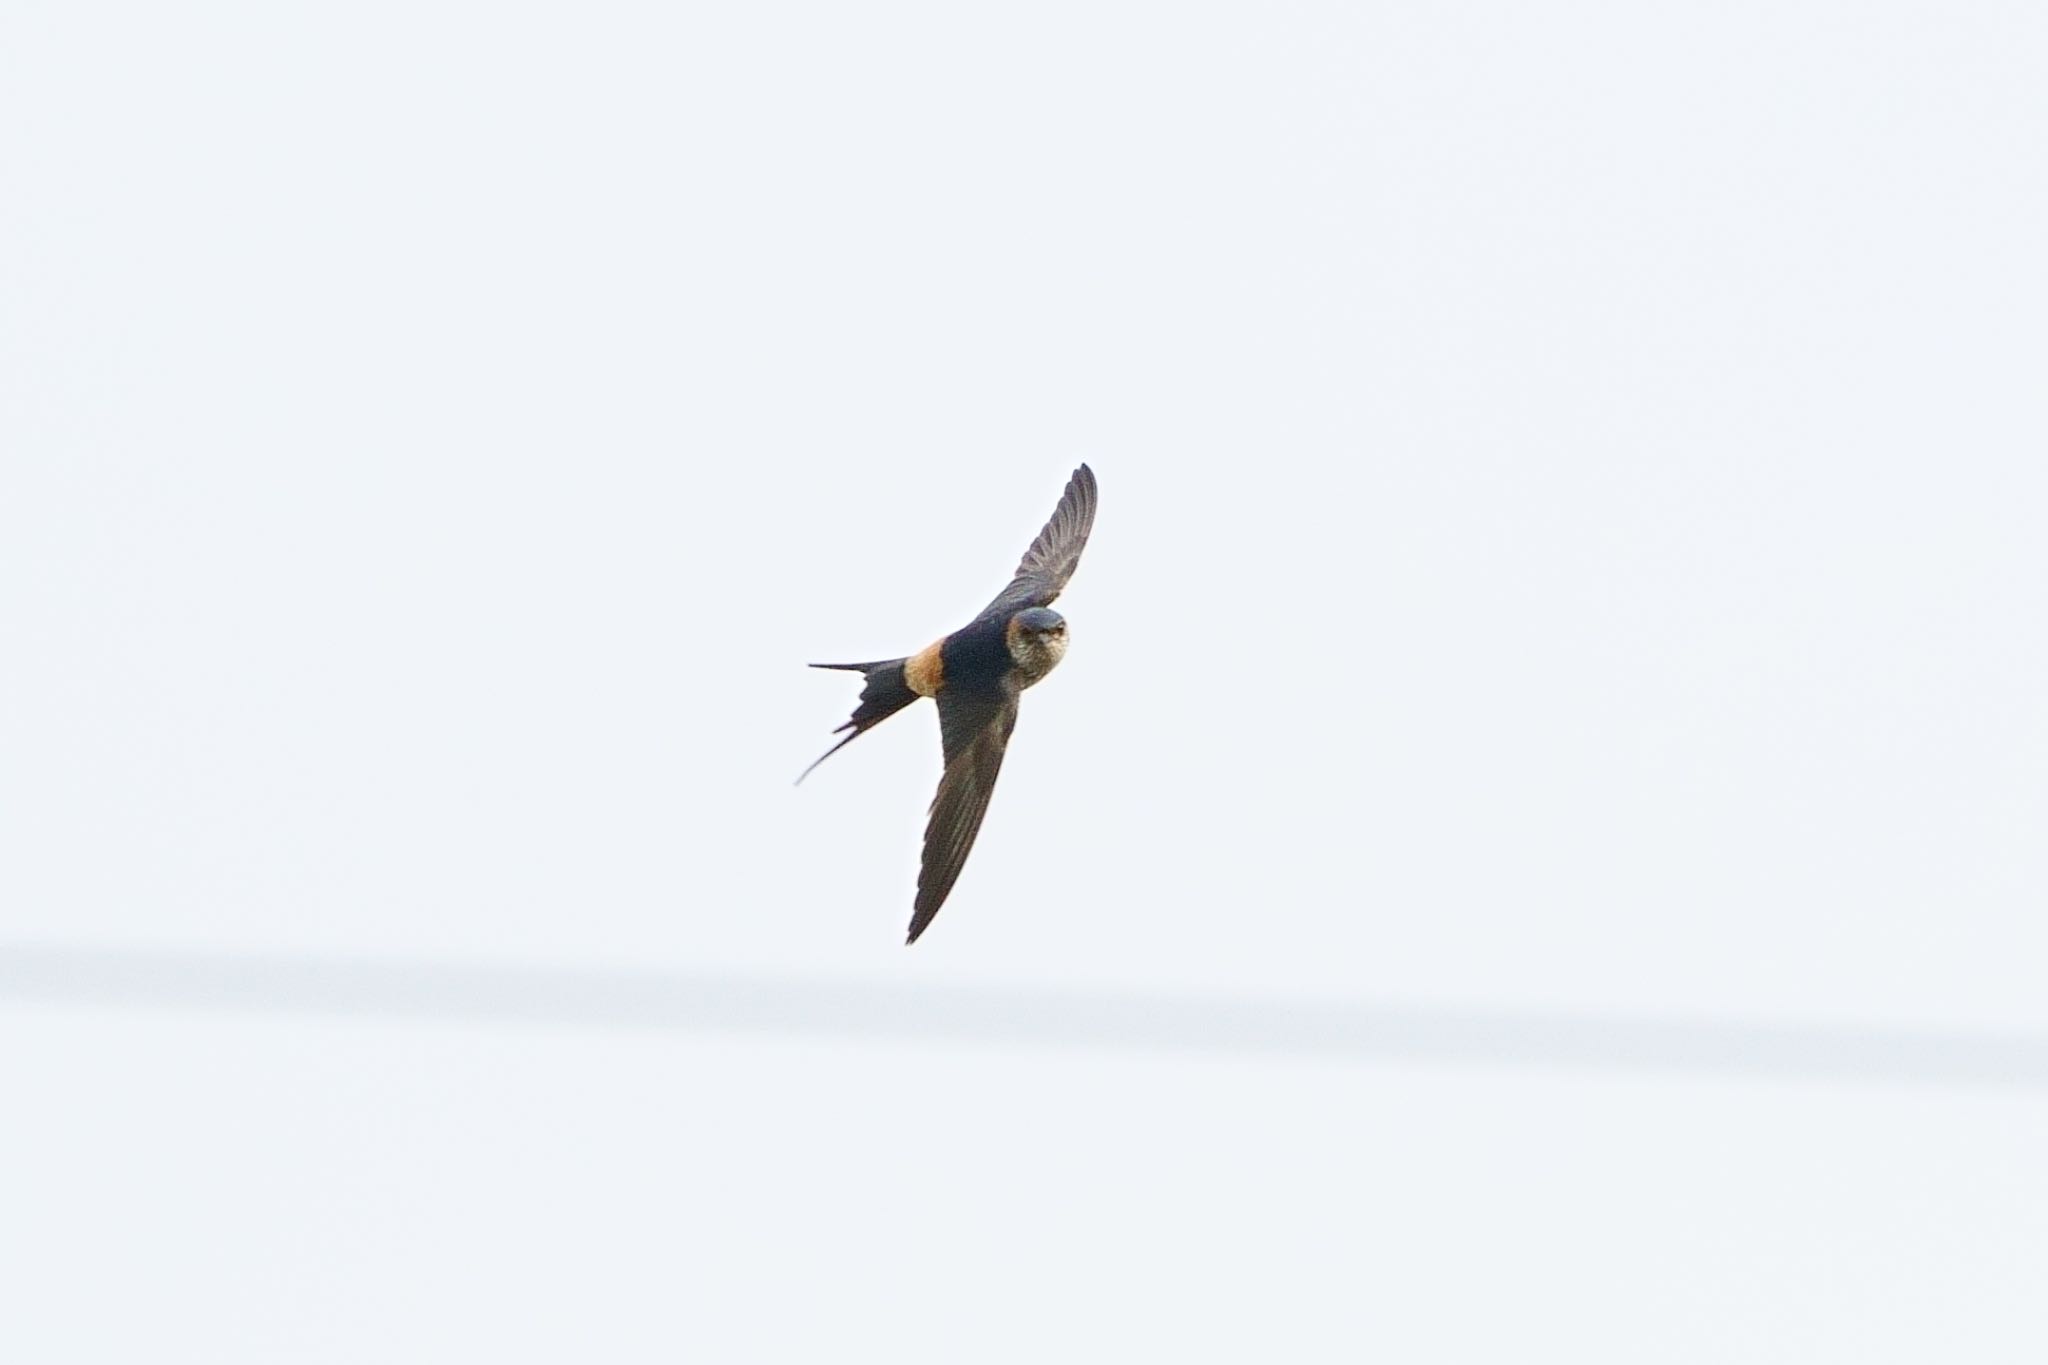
(1010, 1016)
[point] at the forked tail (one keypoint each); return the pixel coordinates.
(884, 694)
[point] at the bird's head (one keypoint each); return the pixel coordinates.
(1037, 637)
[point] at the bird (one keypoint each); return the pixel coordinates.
(975, 675)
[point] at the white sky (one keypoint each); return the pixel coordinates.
(1570, 568)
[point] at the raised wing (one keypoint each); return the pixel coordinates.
(976, 730)
(1050, 561)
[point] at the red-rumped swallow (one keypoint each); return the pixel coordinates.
(975, 674)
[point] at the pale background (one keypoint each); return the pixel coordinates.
(1536, 851)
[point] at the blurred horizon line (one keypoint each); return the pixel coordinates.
(1036, 1017)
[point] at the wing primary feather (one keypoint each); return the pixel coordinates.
(962, 800)
(1050, 562)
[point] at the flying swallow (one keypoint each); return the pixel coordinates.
(975, 674)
